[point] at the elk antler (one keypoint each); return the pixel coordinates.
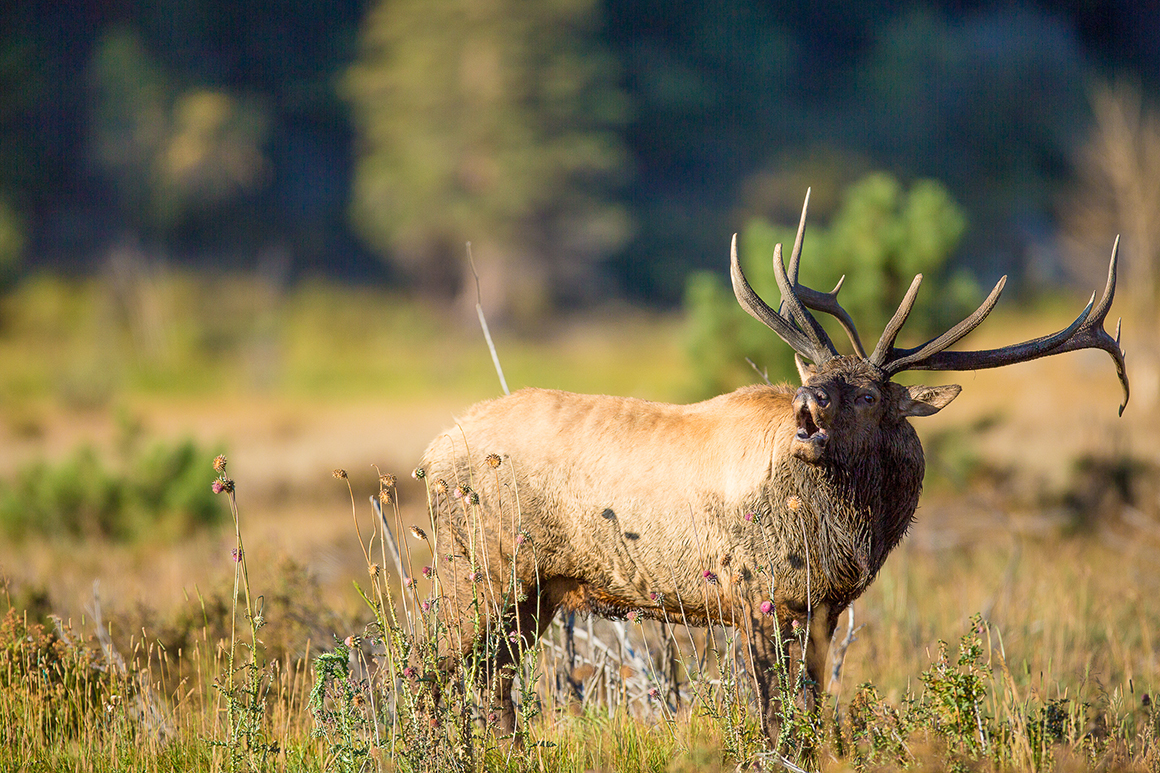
(1086, 332)
(800, 330)
(813, 299)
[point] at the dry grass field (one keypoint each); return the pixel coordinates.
(1038, 538)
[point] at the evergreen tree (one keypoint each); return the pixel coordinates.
(490, 122)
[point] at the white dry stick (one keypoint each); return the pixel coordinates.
(483, 323)
(393, 544)
(840, 652)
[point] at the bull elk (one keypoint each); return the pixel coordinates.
(769, 508)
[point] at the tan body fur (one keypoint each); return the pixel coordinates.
(625, 505)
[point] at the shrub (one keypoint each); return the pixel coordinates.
(161, 493)
(880, 238)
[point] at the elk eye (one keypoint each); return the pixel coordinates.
(866, 398)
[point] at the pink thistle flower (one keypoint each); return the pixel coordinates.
(427, 571)
(767, 607)
(425, 606)
(654, 693)
(409, 672)
(749, 516)
(409, 582)
(236, 554)
(633, 616)
(709, 577)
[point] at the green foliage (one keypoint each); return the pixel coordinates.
(161, 493)
(12, 240)
(491, 123)
(880, 238)
(171, 151)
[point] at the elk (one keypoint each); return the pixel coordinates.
(769, 508)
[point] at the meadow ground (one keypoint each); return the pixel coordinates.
(1042, 515)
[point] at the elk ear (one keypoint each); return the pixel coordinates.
(805, 370)
(927, 400)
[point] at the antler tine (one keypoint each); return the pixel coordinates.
(759, 310)
(885, 344)
(805, 321)
(1091, 333)
(814, 299)
(828, 302)
(895, 360)
(1086, 332)
(795, 256)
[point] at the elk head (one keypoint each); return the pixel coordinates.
(849, 397)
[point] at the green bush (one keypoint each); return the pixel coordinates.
(161, 493)
(879, 239)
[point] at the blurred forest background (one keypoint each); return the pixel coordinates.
(589, 150)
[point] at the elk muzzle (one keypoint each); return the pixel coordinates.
(813, 408)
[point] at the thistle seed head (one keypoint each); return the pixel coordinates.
(219, 464)
(493, 461)
(340, 474)
(418, 473)
(418, 533)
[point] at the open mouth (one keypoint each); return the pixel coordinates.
(808, 430)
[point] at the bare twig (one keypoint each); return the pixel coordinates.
(763, 372)
(840, 652)
(483, 323)
(390, 541)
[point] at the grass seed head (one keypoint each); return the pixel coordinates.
(340, 474)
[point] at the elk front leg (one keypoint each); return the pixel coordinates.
(819, 630)
(527, 622)
(789, 655)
